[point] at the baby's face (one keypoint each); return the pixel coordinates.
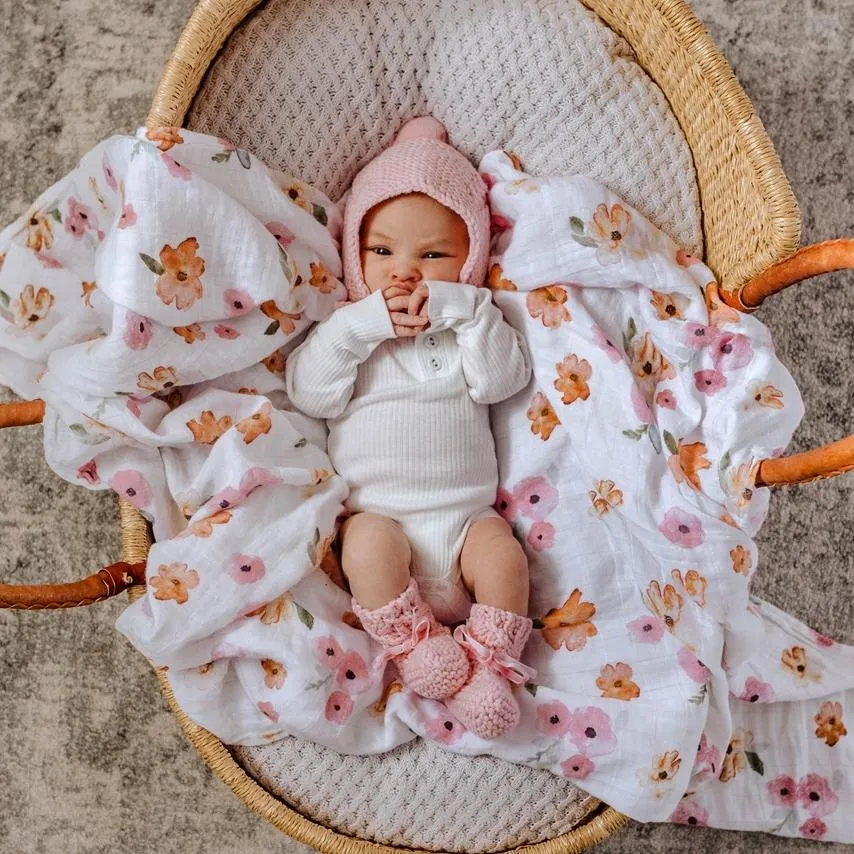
(410, 239)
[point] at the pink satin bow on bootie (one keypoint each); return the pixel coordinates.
(496, 660)
(420, 632)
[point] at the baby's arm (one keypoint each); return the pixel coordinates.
(495, 357)
(321, 372)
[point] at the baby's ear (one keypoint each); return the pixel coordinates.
(424, 127)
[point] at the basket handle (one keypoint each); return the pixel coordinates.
(102, 585)
(837, 457)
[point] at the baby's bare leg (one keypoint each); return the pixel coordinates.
(494, 566)
(375, 557)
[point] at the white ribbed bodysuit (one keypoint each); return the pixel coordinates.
(409, 422)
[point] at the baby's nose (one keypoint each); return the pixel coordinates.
(407, 272)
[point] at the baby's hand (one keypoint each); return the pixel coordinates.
(418, 302)
(398, 299)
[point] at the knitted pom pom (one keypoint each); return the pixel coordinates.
(425, 127)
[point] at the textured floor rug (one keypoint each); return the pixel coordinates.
(92, 761)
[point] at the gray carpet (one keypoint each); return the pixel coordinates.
(92, 761)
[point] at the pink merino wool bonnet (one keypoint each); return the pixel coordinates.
(418, 161)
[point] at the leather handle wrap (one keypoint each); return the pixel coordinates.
(828, 257)
(102, 585)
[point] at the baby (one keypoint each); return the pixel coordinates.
(404, 374)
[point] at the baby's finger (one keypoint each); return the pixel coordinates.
(405, 332)
(401, 319)
(416, 301)
(397, 303)
(396, 291)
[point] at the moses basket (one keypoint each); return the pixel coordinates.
(633, 92)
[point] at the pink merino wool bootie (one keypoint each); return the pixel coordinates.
(494, 640)
(428, 659)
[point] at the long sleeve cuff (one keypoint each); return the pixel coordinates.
(366, 321)
(449, 304)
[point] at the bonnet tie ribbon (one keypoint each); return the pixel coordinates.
(496, 660)
(420, 632)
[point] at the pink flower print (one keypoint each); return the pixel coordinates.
(79, 218)
(132, 486)
(328, 652)
(47, 261)
(339, 707)
(697, 336)
(813, 828)
(266, 708)
(640, 406)
(709, 382)
(224, 649)
(238, 302)
(683, 529)
(591, 732)
(281, 232)
(666, 399)
(577, 767)
(816, 796)
(541, 536)
(246, 569)
(225, 499)
(822, 640)
(88, 472)
(708, 761)
(690, 812)
(553, 719)
(499, 224)
(227, 332)
(256, 477)
(353, 673)
(488, 180)
(128, 216)
(137, 334)
(646, 630)
(683, 259)
(783, 791)
(756, 691)
(693, 666)
(175, 168)
(109, 175)
(602, 340)
(445, 729)
(535, 498)
(731, 351)
(506, 506)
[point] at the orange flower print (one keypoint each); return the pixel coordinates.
(318, 478)
(322, 279)
(742, 562)
(39, 232)
(275, 673)
(204, 527)
(687, 462)
(350, 619)
(283, 318)
(275, 362)
(393, 687)
(174, 581)
(605, 497)
(542, 416)
(649, 366)
(669, 306)
(208, 428)
(725, 517)
(764, 395)
(549, 305)
(165, 137)
(274, 611)
(693, 583)
(180, 283)
(665, 767)
(734, 759)
(190, 333)
(256, 424)
(795, 661)
(610, 231)
(666, 604)
(497, 282)
(514, 159)
(829, 725)
(88, 289)
(161, 378)
(572, 376)
(719, 312)
(522, 185)
(295, 191)
(570, 624)
(740, 481)
(615, 682)
(31, 306)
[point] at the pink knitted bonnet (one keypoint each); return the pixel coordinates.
(418, 161)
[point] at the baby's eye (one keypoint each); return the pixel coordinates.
(379, 250)
(431, 256)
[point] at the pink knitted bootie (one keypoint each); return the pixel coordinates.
(494, 640)
(425, 654)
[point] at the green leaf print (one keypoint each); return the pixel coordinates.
(584, 241)
(636, 434)
(154, 265)
(726, 459)
(78, 430)
(319, 214)
(273, 328)
(654, 438)
(305, 617)
(631, 329)
(531, 688)
(54, 212)
(699, 697)
(4, 299)
(243, 157)
(302, 443)
(222, 157)
(538, 624)
(576, 224)
(670, 442)
(755, 762)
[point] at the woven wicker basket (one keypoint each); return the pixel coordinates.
(750, 224)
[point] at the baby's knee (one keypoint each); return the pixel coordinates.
(369, 540)
(491, 543)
